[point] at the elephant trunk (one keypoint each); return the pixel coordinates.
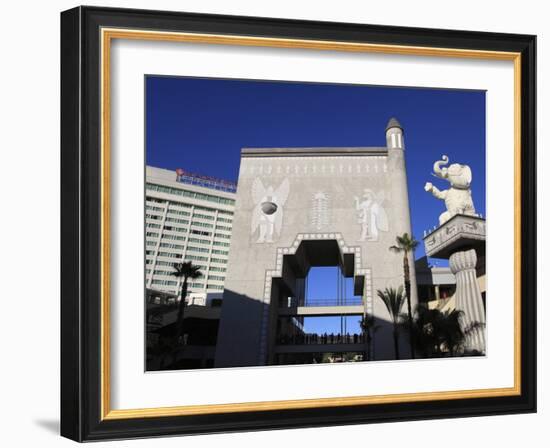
(438, 171)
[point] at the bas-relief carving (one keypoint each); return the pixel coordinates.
(320, 213)
(458, 198)
(461, 226)
(267, 215)
(371, 215)
(376, 165)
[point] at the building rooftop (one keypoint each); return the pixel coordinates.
(182, 179)
(315, 151)
(215, 183)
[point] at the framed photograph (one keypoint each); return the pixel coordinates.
(276, 224)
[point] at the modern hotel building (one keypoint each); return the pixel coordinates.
(188, 218)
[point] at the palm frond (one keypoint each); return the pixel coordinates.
(186, 269)
(196, 273)
(405, 243)
(395, 249)
(394, 299)
(437, 333)
(474, 326)
(402, 240)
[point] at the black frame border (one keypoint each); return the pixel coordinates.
(81, 223)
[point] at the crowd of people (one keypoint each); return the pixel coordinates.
(314, 338)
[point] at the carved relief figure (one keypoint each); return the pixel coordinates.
(371, 215)
(268, 212)
(320, 211)
(458, 198)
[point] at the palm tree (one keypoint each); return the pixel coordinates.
(424, 331)
(406, 244)
(188, 271)
(437, 333)
(452, 334)
(394, 301)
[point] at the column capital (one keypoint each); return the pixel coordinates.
(463, 260)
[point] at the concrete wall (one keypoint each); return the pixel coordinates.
(319, 194)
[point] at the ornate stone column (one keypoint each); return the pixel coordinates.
(468, 299)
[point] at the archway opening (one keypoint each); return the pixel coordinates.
(326, 285)
(319, 312)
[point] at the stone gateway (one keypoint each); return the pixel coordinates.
(297, 208)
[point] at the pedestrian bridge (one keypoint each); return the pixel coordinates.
(320, 348)
(321, 307)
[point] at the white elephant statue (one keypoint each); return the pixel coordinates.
(458, 198)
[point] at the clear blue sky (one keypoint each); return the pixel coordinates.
(201, 125)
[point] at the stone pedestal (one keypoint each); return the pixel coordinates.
(461, 240)
(468, 299)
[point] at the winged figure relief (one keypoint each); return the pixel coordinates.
(371, 215)
(267, 215)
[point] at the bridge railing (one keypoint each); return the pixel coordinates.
(293, 302)
(319, 339)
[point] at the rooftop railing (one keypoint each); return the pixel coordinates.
(205, 181)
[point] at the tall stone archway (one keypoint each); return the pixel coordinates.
(291, 200)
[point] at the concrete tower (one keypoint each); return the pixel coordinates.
(395, 142)
(394, 135)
